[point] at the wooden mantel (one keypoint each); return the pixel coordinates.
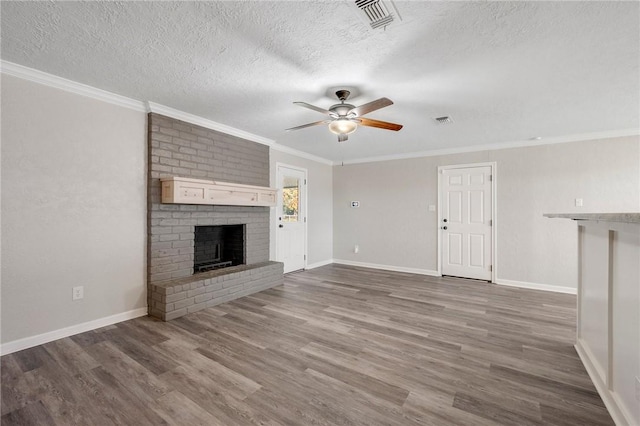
(179, 190)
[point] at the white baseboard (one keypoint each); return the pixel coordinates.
(536, 286)
(40, 339)
(319, 264)
(388, 267)
(617, 410)
(499, 281)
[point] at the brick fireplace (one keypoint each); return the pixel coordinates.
(176, 285)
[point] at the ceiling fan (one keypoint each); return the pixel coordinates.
(345, 118)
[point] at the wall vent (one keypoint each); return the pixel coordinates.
(378, 13)
(444, 120)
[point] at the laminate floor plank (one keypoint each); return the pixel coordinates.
(336, 345)
(69, 401)
(32, 358)
(498, 412)
(229, 381)
(31, 414)
(70, 356)
(177, 409)
(436, 409)
(132, 375)
(117, 402)
(173, 332)
(211, 396)
(145, 355)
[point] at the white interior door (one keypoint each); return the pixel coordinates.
(466, 222)
(291, 218)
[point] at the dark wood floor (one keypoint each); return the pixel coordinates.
(334, 346)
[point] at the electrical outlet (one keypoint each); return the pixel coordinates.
(78, 293)
(578, 202)
(356, 248)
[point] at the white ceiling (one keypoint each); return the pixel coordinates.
(504, 71)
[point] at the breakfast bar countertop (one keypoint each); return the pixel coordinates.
(602, 217)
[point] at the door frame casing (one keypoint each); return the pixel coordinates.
(304, 204)
(494, 213)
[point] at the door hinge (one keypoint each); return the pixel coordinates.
(490, 178)
(305, 257)
(490, 268)
(305, 181)
(305, 220)
(490, 222)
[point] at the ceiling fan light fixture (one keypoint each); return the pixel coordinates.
(343, 126)
(344, 118)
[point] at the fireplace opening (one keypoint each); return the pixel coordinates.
(218, 247)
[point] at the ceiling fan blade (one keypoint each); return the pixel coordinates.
(380, 124)
(371, 106)
(317, 123)
(313, 107)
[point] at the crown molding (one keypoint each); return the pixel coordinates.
(497, 146)
(204, 122)
(26, 73)
(302, 154)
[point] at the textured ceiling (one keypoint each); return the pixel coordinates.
(504, 71)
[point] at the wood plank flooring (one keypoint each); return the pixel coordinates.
(335, 345)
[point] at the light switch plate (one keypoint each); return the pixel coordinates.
(578, 202)
(355, 204)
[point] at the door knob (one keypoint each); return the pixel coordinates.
(444, 220)
(444, 227)
(281, 226)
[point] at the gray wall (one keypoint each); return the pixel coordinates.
(394, 227)
(73, 174)
(73, 209)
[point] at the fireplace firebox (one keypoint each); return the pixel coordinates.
(218, 247)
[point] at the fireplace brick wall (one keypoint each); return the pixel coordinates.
(178, 148)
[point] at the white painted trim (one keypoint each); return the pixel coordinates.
(498, 146)
(40, 339)
(494, 212)
(204, 122)
(438, 219)
(54, 81)
(536, 286)
(388, 267)
(495, 223)
(302, 154)
(616, 408)
(319, 264)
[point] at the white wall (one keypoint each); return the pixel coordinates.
(319, 206)
(394, 227)
(73, 209)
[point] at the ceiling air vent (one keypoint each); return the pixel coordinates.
(444, 120)
(378, 12)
